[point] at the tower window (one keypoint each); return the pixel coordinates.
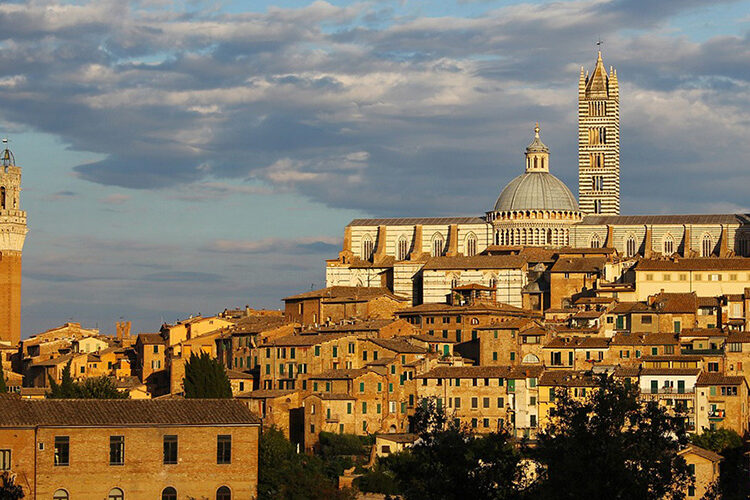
(630, 246)
(2, 198)
(471, 245)
(595, 241)
(437, 245)
(597, 108)
(597, 182)
(668, 245)
(367, 248)
(597, 206)
(403, 248)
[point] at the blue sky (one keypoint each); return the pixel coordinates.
(183, 157)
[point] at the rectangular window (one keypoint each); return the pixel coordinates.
(361, 387)
(335, 351)
(4, 459)
(512, 356)
(317, 350)
(156, 349)
(116, 450)
(677, 327)
(494, 356)
(486, 402)
(364, 407)
(646, 319)
(62, 450)
(457, 402)
(475, 402)
(224, 449)
(170, 450)
(500, 402)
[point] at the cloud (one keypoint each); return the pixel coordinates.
(115, 199)
(307, 245)
(62, 195)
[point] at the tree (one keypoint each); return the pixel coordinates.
(3, 387)
(610, 445)
(91, 388)
(733, 476)
(286, 475)
(9, 490)
(205, 377)
(449, 462)
(66, 388)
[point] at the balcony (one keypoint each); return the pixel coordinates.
(701, 352)
(670, 390)
(332, 418)
(716, 414)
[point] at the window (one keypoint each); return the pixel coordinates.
(62, 450)
(116, 450)
(169, 493)
(486, 402)
(224, 449)
(630, 248)
(403, 248)
(170, 449)
(223, 493)
(4, 459)
(677, 327)
(595, 241)
(317, 350)
(668, 245)
(367, 248)
(60, 495)
(116, 494)
(735, 347)
(438, 243)
(471, 245)
(475, 402)
(597, 206)
(707, 246)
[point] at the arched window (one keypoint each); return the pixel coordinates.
(438, 243)
(595, 241)
(169, 493)
(116, 494)
(474, 321)
(597, 206)
(493, 282)
(454, 281)
(530, 358)
(668, 245)
(60, 495)
(471, 245)
(403, 248)
(367, 247)
(2, 197)
(223, 493)
(707, 246)
(630, 246)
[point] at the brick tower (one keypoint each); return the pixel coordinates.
(12, 234)
(599, 141)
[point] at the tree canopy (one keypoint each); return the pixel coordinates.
(9, 490)
(91, 388)
(610, 445)
(205, 377)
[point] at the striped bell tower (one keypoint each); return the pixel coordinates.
(599, 141)
(12, 235)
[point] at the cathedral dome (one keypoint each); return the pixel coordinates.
(536, 191)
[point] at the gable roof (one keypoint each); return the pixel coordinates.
(578, 265)
(695, 264)
(399, 345)
(345, 293)
(124, 412)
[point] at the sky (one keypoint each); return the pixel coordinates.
(183, 157)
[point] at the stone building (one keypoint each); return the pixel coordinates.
(115, 449)
(537, 209)
(12, 235)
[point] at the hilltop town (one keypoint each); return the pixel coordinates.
(488, 316)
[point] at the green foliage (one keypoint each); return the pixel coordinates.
(717, 440)
(378, 480)
(448, 462)
(286, 475)
(733, 477)
(3, 387)
(91, 388)
(205, 377)
(611, 446)
(9, 490)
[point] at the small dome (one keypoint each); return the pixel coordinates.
(536, 191)
(537, 146)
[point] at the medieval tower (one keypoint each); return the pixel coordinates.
(12, 234)
(599, 141)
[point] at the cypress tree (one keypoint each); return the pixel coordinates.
(205, 377)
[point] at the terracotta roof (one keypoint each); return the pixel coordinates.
(381, 362)
(567, 378)
(741, 337)
(398, 345)
(713, 378)
(671, 357)
(479, 307)
(265, 393)
(340, 374)
(357, 326)
(577, 343)
(702, 332)
(675, 303)
(345, 293)
(627, 371)
(104, 412)
(305, 340)
(150, 338)
(627, 339)
(630, 307)
(670, 371)
(593, 300)
(432, 338)
(702, 452)
(234, 374)
(709, 302)
(257, 324)
(482, 372)
(663, 338)
(588, 314)
(476, 262)
(398, 438)
(697, 264)
(578, 265)
(641, 220)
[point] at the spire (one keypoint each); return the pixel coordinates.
(597, 85)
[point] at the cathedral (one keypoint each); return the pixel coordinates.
(536, 209)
